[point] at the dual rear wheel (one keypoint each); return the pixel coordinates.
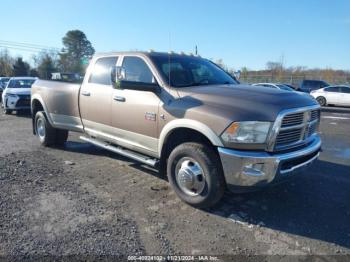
(48, 135)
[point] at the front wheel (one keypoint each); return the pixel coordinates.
(195, 174)
(7, 111)
(321, 100)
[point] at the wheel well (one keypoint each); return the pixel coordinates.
(177, 137)
(36, 107)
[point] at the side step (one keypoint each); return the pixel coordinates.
(121, 151)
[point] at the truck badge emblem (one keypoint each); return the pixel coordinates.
(150, 116)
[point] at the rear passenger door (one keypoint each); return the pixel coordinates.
(345, 93)
(96, 98)
(333, 95)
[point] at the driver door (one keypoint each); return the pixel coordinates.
(134, 112)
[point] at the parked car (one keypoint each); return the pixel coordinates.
(3, 83)
(277, 86)
(16, 95)
(332, 95)
(309, 85)
(291, 86)
(186, 116)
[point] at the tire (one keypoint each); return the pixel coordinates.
(61, 137)
(7, 111)
(191, 162)
(322, 101)
(48, 135)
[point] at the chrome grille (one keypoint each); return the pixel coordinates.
(293, 119)
(296, 128)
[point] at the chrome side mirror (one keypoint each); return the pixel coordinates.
(237, 74)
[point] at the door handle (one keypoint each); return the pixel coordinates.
(119, 98)
(85, 93)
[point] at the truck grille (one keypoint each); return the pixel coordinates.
(296, 128)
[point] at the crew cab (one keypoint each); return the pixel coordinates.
(186, 116)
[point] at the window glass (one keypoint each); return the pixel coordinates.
(284, 87)
(101, 74)
(345, 89)
(137, 70)
(185, 71)
(21, 83)
(333, 89)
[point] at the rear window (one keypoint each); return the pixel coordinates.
(314, 84)
(21, 83)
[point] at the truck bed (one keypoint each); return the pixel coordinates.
(61, 100)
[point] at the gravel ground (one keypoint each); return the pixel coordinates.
(82, 200)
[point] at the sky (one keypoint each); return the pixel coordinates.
(244, 33)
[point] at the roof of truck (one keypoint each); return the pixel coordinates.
(144, 53)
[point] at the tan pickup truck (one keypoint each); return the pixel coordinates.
(187, 117)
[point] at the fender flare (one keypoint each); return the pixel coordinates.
(190, 124)
(39, 98)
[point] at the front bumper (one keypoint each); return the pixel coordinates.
(16, 103)
(246, 171)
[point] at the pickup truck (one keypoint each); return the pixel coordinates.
(185, 116)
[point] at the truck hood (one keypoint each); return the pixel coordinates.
(246, 102)
(18, 91)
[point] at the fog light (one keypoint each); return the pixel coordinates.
(254, 169)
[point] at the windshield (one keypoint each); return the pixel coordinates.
(183, 71)
(284, 87)
(21, 83)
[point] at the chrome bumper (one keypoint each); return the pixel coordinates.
(244, 170)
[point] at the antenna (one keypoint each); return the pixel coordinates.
(169, 53)
(196, 50)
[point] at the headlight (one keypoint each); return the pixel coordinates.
(12, 95)
(254, 132)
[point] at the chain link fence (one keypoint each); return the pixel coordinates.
(294, 80)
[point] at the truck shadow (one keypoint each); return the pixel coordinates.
(316, 205)
(87, 148)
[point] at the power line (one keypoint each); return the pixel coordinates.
(21, 49)
(27, 44)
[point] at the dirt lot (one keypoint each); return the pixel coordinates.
(83, 200)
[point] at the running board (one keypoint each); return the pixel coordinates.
(121, 151)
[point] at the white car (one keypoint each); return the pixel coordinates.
(277, 86)
(332, 95)
(16, 95)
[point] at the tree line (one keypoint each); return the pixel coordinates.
(77, 51)
(278, 72)
(73, 58)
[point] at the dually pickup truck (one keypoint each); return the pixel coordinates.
(186, 116)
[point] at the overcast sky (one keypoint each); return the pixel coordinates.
(312, 33)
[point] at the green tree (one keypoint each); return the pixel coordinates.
(33, 72)
(20, 68)
(77, 50)
(46, 63)
(6, 62)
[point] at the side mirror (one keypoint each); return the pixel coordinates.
(237, 74)
(118, 77)
(118, 73)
